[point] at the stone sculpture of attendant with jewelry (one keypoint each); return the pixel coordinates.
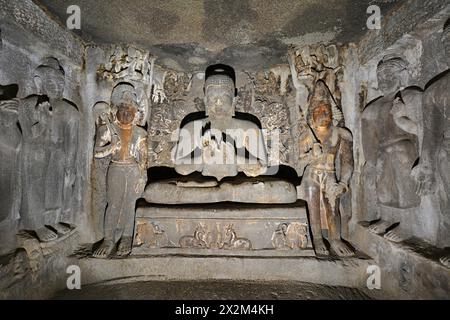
(126, 143)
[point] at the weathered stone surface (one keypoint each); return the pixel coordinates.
(409, 270)
(216, 290)
(41, 166)
(26, 16)
(245, 34)
(9, 157)
(83, 127)
(402, 20)
(36, 270)
(348, 272)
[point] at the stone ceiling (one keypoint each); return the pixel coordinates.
(188, 35)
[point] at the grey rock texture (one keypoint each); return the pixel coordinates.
(215, 290)
(348, 272)
(410, 270)
(27, 27)
(247, 34)
(56, 181)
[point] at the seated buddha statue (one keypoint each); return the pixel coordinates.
(212, 151)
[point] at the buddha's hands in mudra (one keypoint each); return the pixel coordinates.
(212, 138)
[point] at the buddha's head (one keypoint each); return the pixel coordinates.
(123, 104)
(49, 79)
(392, 74)
(446, 40)
(322, 115)
(323, 111)
(219, 96)
(126, 114)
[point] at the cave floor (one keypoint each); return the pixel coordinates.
(213, 290)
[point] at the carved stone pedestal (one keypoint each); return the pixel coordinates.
(228, 229)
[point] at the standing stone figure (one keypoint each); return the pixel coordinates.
(327, 150)
(10, 141)
(433, 170)
(390, 130)
(49, 126)
(126, 143)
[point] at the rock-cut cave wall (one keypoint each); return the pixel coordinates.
(52, 86)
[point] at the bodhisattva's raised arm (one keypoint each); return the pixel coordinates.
(106, 143)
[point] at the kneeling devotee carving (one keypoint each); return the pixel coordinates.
(218, 146)
(126, 143)
(325, 149)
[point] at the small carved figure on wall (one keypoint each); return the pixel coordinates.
(150, 235)
(215, 236)
(292, 235)
(233, 242)
(310, 64)
(195, 241)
